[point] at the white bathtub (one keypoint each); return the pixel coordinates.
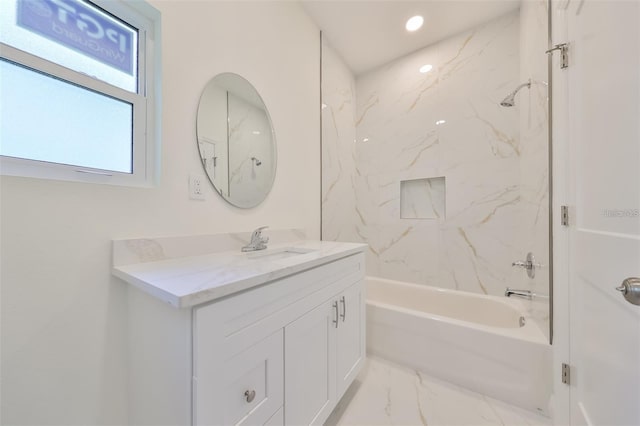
(471, 340)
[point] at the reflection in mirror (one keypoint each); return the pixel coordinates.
(236, 140)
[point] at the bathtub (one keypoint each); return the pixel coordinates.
(483, 343)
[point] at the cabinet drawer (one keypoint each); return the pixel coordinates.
(226, 317)
(246, 389)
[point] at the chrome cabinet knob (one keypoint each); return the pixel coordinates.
(630, 290)
(249, 395)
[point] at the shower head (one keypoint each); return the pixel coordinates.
(256, 161)
(510, 100)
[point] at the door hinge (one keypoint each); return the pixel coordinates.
(564, 54)
(566, 374)
(564, 215)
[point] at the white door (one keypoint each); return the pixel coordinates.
(603, 98)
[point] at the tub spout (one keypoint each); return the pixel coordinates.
(520, 293)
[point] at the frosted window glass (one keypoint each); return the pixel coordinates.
(54, 121)
(75, 34)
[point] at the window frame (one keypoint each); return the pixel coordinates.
(146, 105)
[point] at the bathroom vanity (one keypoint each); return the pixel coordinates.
(269, 337)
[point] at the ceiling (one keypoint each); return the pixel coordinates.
(369, 33)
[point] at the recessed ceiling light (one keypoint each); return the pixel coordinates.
(426, 68)
(324, 106)
(256, 132)
(414, 23)
(439, 122)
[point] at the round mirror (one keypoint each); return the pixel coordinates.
(236, 140)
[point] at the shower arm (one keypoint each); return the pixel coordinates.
(527, 84)
(513, 94)
(509, 100)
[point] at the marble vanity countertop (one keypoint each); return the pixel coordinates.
(188, 281)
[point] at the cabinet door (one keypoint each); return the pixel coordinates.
(350, 346)
(310, 366)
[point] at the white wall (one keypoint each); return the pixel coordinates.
(63, 317)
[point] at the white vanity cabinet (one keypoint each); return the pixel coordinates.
(324, 350)
(282, 352)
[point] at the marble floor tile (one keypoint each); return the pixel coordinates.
(389, 394)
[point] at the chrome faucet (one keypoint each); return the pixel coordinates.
(257, 241)
(520, 293)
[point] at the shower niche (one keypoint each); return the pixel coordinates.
(422, 198)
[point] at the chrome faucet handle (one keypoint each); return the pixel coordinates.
(530, 265)
(257, 235)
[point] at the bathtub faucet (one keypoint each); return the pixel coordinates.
(529, 265)
(520, 293)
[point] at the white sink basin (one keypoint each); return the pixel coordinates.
(279, 253)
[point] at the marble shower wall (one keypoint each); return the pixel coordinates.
(446, 123)
(339, 208)
(476, 149)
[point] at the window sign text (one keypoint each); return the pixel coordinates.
(82, 27)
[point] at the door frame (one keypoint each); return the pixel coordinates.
(560, 406)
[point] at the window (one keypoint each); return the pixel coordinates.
(79, 97)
